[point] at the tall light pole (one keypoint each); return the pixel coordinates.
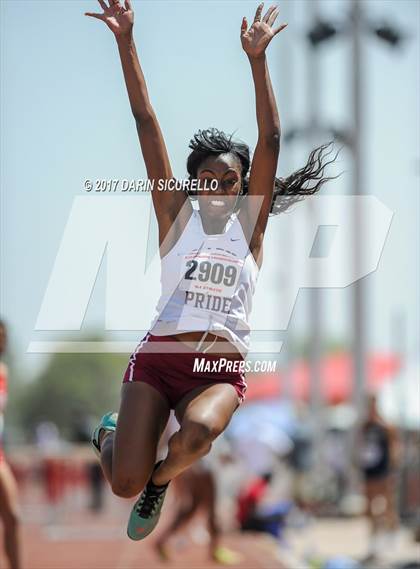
(356, 26)
(286, 267)
(359, 287)
(315, 293)
(399, 343)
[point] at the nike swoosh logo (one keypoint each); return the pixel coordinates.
(235, 239)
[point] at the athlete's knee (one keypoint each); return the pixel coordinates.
(10, 518)
(127, 487)
(197, 437)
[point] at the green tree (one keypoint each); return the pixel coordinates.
(73, 385)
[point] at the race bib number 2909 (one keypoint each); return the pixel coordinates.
(210, 273)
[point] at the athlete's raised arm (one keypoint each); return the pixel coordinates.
(264, 164)
(120, 20)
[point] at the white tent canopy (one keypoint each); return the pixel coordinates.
(399, 400)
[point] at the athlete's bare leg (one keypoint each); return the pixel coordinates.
(9, 516)
(203, 415)
(129, 455)
(391, 515)
(195, 490)
(380, 502)
(210, 499)
(186, 504)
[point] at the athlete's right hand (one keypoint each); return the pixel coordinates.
(118, 18)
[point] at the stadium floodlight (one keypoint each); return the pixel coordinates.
(321, 31)
(388, 34)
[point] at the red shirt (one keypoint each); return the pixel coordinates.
(249, 498)
(3, 386)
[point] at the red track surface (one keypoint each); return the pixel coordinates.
(79, 539)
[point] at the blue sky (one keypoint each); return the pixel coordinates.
(65, 117)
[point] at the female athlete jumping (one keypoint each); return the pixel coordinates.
(8, 488)
(190, 360)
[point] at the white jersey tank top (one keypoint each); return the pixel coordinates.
(207, 283)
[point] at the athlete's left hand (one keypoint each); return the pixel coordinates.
(256, 39)
(118, 18)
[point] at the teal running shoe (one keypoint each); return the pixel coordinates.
(108, 423)
(146, 511)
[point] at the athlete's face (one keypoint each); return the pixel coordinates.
(220, 183)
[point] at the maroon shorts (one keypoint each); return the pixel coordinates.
(168, 365)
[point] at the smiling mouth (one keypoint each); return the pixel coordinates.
(217, 203)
